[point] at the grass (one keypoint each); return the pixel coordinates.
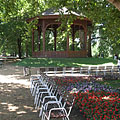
(112, 83)
(64, 62)
(70, 62)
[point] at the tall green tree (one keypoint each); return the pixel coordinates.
(15, 32)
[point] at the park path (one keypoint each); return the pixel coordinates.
(16, 102)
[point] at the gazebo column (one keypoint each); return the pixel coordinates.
(89, 46)
(85, 46)
(43, 40)
(85, 38)
(55, 35)
(73, 38)
(43, 31)
(32, 40)
(39, 35)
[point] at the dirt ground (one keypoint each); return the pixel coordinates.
(16, 102)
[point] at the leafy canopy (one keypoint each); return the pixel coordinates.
(13, 14)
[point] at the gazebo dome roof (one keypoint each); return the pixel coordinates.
(54, 13)
(64, 11)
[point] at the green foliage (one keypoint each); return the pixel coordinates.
(13, 14)
(13, 24)
(101, 12)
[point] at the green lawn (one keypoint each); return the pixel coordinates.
(64, 62)
(69, 62)
(112, 83)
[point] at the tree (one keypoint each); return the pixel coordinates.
(13, 14)
(116, 3)
(100, 12)
(15, 37)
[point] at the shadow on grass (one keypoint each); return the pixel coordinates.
(64, 62)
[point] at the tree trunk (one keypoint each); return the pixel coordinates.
(116, 3)
(26, 49)
(19, 48)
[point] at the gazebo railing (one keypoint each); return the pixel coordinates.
(60, 54)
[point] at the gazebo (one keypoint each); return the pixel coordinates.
(46, 43)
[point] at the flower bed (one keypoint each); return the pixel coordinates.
(96, 101)
(70, 83)
(99, 105)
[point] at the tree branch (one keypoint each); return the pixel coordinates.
(116, 3)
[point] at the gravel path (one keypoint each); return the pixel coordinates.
(16, 102)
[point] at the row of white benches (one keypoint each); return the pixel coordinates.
(87, 70)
